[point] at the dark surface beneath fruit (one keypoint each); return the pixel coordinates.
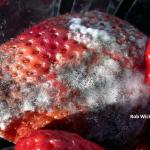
(4, 143)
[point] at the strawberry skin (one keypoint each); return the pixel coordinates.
(36, 50)
(147, 58)
(82, 73)
(58, 140)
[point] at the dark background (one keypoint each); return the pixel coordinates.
(17, 15)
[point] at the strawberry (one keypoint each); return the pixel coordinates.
(83, 73)
(48, 140)
(147, 58)
(36, 50)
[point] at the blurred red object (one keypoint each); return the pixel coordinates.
(58, 140)
(4, 2)
(147, 58)
(142, 147)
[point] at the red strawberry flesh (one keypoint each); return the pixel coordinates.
(147, 58)
(58, 140)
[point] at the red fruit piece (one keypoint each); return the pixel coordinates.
(34, 52)
(55, 140)
(147, 57)
(74, 71)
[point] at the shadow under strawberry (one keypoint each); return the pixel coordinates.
(111, 127)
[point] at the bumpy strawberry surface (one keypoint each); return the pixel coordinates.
(87, 66)
(55, 140)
